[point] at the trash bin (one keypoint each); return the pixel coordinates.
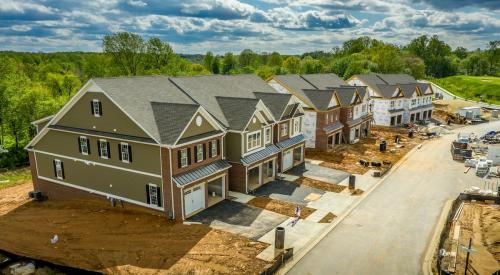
(410, 134)
(383, 146)
(279, 238)
(352, 182)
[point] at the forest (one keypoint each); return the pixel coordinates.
(35, 85)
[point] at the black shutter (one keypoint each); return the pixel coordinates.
(100, 108)
(179, 157)
(129, 153)
(189, 155)
(62, 170)
(55, 170)
(210, 149)
(88, 145)
(196, 154)
(218, 147)
(147, 193)
(92, 107)
(158, 194)
(99, 147)
(204, 151)
(120, 151)
(79, 146)
(109, 151)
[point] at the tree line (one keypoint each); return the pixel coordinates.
(34, 85)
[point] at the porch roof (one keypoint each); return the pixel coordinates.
(201, 172)
(260, 155)
(290, 142)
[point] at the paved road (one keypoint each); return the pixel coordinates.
(389, 231)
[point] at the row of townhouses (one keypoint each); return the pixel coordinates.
(179, 144)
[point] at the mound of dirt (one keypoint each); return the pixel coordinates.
(94, 236)
(281, 207)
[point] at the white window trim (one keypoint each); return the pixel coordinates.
(86, 145)
(258, 141)
(101, 141)
(185, 150)
(94, 101)
(154, 186)
(267, 137)
(213, 152)
(198, 146)
(121, 149)
(59, 170)
(284, 133)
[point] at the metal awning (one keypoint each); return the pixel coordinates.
(201, 172)
(333, 127)
(260, 155)
(290, 142)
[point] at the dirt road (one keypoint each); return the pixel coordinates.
(94, 236)
(389, 231)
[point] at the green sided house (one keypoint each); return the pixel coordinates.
(136, 139)
(264, 128)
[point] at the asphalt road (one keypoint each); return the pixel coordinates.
(389, 231)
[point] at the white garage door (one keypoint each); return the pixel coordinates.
(194, 199)
(287, 160)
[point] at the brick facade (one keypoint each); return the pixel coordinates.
(324, 119)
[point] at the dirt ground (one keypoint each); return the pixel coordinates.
(320, 184)
(444, 107)
(346, 157)
(328, 218)
(281, 207)
(481, 222)
(95, 236)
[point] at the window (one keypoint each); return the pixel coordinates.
(284, 129)
(58, 169)
(296, 125)
(84, 145)
(153, 194)
(253, 140)
(267, 132)
(183, 157)
(103, 146)
(125, 152)
(213, 148)
(200, 152)
(363, 108)
(96, 107)
(392, 103)
(413, 101)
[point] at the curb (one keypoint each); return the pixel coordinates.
(434, 241)
(297, 257)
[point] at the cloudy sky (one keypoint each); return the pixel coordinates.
(287, 26)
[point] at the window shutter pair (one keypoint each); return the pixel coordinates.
(129, 152)
(92, 107)
(55, 169)
(158, 195)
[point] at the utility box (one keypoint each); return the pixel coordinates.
(352, 182)
(470, 113)
(279, 238)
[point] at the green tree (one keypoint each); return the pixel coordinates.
(308, 65)
(493, 54)
(247, 58)
(292, 64)
(158, 53)
(274, 59)
(127, 50)
(388, 58)
(460, 52)
(215, 66)
(228, 63)
(70, 84)
(208, 61)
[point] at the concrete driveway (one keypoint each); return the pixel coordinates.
(318, 172)
(239, 218)
(388, 233)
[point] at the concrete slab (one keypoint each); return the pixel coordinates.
(318, 172)
(240, 197)
(317, 215)
(287, 191)
(239, 218)
(336, 203)
(297, 236)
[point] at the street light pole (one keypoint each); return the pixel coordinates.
(467, 258)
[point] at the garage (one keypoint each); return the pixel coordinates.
(297, 155)
(287, 159)
(216, 189)
(194, 199)
(254, 177)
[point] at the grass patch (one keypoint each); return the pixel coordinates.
(356, 192)
(472, 87)
(328, 218)
(11, 178)
(330, 187)
(280, 207)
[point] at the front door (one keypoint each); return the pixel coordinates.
(194, 199)
(337, 138)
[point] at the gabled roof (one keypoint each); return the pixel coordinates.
(237, 111)
(206, 91)
(408, 89)
(276, 102)
(298, 84)
(346, 95)
(135, 96)
(375, 80)
(387, 90)
(320, 99)
(424, 86)
(171, 119)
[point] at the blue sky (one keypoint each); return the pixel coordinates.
(287, 26)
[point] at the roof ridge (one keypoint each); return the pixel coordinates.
(172, 103)
(131, 76)
(381, 79)
(301, 76)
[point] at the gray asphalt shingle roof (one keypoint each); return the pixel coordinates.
(319, 98)
(135, 94)
(275, 102)
(374, 80)
(237, 111)
(345, 95)
(387, 90)
(205, 90)
(201, 172)
(408, 89)
(171, 119)
(323, 81)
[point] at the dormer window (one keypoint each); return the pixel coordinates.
(96, 107)
(284, 129)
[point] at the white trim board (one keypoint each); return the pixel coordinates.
(88, 162)
(92, 191)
